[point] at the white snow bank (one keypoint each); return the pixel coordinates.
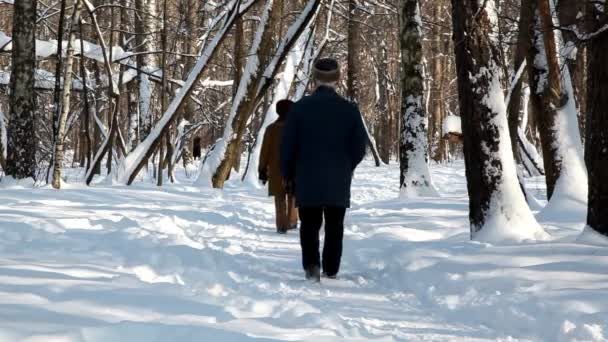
(46, 48)
(43, 80)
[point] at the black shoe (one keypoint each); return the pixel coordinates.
(313, 273)
(295, 226)
(333, 276)
(281, 231)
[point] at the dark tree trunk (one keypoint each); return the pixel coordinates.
(596, 156)
(353, 68)
(514, 105)
(490, 170)
(546, 88)
(21, 147)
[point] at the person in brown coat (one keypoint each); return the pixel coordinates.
(270, 171)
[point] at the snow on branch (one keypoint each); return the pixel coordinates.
(294, 32)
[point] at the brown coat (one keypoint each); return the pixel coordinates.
(270, 158)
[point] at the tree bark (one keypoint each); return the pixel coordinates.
(596, 156)
(354, 37)
(145, 25)
(415, 177)
(65, 96)
(514, 105)
(496, 202)
(21, 145)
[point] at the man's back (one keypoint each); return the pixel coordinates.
(324, 140)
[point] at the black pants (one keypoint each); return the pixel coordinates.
(312, 220)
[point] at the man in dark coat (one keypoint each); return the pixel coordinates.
(270, 171)
(324, 140)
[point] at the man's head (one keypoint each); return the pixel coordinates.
(283, 108)
(326, 72)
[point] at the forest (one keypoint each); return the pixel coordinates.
(486, 121)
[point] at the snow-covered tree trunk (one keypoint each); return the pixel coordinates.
(21, 144)
(498, 209)
(415, 177)
(146, 24)
(65, 98)
(554, 105)
(384, 119)
(597, 135)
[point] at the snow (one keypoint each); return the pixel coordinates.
(417, 180)
(181, 263)
(452, 124)
(45, 48)
(44, 80)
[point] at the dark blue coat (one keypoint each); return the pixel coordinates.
(324, 140)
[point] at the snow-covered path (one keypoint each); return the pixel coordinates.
(184, 264)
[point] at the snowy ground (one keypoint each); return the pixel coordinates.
(184, 264)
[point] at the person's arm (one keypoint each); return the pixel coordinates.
(289, 145)
(359, 138)
(264, 156)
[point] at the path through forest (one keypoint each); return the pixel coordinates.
(179, 263)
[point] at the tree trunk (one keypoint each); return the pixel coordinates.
(57, 99)
(554, 110)
(415, 177)
(354, 67)
(597, 134)
(354, 37)
(514, 105)
(145, 26)
(21, 145)
(382, 104)
(498, 209)
(65, 105)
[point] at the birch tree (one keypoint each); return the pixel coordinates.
(415, 177)
(65, 96)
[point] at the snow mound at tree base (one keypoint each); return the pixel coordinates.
(591, 237)
(510, 221)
